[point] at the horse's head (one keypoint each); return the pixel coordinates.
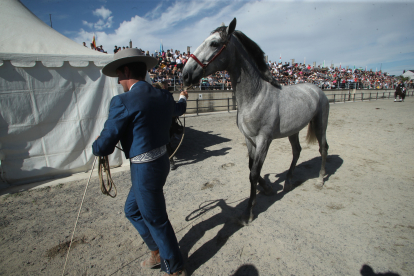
(210, 56)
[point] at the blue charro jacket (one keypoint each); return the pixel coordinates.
(140, 119)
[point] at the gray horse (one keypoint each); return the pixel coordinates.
(266, 110)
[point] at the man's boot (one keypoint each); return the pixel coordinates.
(152, 261)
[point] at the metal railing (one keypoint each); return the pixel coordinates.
(362, 85)
(367, 96)
(198, 108)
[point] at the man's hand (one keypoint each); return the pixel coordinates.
(184, 93)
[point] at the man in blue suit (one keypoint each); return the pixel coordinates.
(141, 120)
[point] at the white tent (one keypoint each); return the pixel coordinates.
(53, 99)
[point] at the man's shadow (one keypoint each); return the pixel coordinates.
(228, 215)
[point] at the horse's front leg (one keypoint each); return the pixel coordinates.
(252, 151)
(257, 156)
(266, 188)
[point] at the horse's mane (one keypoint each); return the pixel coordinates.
(254, 51)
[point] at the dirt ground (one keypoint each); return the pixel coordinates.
(360, 223)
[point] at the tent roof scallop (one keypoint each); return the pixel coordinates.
(25, 39)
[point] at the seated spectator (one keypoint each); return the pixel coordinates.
(179, 62)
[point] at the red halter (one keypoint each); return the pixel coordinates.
(204, 66)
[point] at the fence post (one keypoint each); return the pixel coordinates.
(354, 97)
(228, 104)
(197, 106)
(362, 97)
(369, 97)
(377, 95)
(334, 98)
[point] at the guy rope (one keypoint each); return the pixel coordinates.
(80, 208)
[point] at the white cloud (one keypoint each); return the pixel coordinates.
(100, 25)
(90, 25)
(102, 12)
(104, 23)
(155, 12)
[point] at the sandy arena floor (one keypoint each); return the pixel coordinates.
(361, 221)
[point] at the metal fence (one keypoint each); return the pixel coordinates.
(367, 96)
(200, 109)
(333, 98)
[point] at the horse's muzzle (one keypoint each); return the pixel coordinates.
(187, 79)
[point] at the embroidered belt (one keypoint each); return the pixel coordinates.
(149, 156)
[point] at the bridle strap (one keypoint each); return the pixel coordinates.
(199, 62)
(204, 66)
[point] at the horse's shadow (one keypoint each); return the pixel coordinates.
(310, 169)
(228, 215)
(194, 146)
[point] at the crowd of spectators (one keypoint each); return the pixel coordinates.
(332, 77)
(171, 64)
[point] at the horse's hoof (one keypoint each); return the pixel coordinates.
(245, 219)
(319, 183)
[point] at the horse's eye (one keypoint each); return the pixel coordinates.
(214, 44)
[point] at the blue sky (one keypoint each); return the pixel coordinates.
(372, 34)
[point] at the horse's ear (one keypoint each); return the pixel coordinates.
(231, 27)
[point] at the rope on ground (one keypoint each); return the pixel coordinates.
(80, 208)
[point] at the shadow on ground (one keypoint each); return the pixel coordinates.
(310, 169)
(366, 270)
(246, 270)
(305, 171)
(194, 146)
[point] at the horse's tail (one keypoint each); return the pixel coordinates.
(311, 136)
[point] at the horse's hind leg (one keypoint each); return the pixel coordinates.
(320, 131)
(296, 149)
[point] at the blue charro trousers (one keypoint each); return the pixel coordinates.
(145, 208)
